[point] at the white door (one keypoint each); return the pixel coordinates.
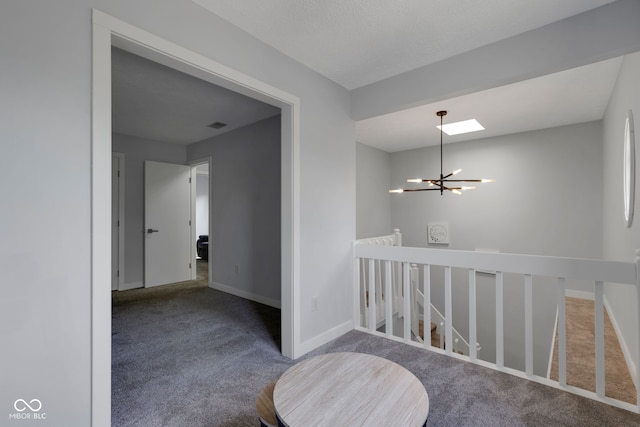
(167, 229)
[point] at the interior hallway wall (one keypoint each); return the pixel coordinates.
(373, 201)
(620, 242)
(244, 243)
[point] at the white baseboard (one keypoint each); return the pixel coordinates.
(623, 344)
(131, 285)
(325, 337)
(246, 295)
(580, 294)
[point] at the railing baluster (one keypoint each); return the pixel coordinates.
(562, 332)
(473, 339)
(426, 288)
(372, 297)
(357, 300)
(528, 323)
(406, 298)
(499, 321)
(448, 311)
(398, 287)
(599, 340)
(388, 298)
(415, 320)
(379, 282)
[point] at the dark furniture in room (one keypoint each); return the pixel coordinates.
(202, 246)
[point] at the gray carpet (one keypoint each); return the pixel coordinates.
(188, 355)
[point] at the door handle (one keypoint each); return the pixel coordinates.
(151, 230)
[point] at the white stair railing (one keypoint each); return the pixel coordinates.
(374, 312)
(460, 344)
(526, 267)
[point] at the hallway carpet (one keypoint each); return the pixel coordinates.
(188, 355)
(581, 353)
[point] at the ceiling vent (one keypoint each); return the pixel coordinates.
(217, 125)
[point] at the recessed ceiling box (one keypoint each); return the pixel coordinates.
(217, 125)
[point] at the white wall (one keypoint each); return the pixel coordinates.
(245, 191)
(202, 204)
(620, 242)
(136, 151)
(546, 200)
(45, 114)
(373, 201)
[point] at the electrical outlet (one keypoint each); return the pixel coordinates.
(237, 269)
(314, 303)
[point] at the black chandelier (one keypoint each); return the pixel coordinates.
(444, 183)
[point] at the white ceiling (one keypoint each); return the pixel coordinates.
(573, 96)
(158, 103)
(357, 42)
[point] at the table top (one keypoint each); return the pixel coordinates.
(350, 389)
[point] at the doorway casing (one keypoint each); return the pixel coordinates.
(107, 32)
(194, 164)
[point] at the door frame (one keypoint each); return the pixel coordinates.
(194, 164)
(121, 217)
(108, 31)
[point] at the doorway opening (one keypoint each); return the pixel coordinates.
(108, 32)
(202, 219)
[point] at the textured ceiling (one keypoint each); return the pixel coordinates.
(357, 42)
(158, 103)
(573, 96)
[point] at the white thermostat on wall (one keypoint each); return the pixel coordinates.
(438, 233)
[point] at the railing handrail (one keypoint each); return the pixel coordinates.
(539, 265)
(394, 239)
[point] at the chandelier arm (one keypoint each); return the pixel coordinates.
(422, 189)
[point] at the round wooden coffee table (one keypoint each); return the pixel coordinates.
(350, 389)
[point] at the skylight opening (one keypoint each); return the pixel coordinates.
(464, 126)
